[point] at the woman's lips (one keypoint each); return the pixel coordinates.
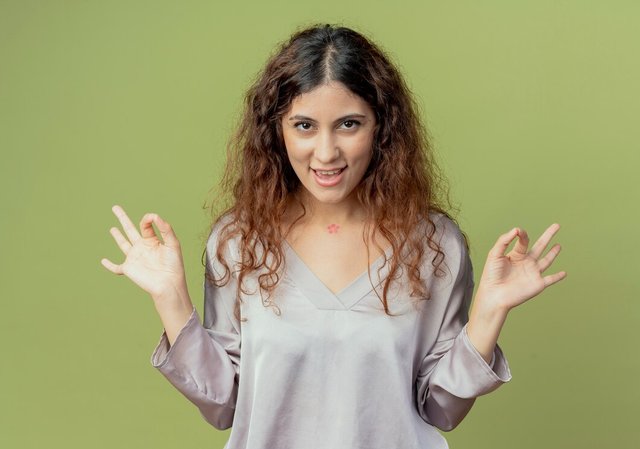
(328, 169)
(328, 180)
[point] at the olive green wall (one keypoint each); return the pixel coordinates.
(533, 107)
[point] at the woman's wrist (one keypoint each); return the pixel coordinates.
(174, 307)
(173, 300)
(485, 323)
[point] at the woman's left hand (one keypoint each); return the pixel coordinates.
(510, 280)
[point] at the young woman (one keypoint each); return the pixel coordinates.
(338, 287)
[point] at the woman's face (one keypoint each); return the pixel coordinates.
(328, 133)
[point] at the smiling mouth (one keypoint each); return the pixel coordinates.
(331, 172)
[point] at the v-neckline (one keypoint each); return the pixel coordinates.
(320, 295)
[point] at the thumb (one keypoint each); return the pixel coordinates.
(166, 231)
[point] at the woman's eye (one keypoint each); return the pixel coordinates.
(350, 124)
(347, 124)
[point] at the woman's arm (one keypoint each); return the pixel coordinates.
(174, 307)
(453, 372)
(484, 327)
(203, 361)
(508, 281)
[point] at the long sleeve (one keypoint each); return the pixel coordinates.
(204, 361)
(453, 373)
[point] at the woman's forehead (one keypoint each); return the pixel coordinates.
(327, 97)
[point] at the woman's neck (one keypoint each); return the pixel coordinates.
(346, 213)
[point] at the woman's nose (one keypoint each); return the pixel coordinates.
(326, 149)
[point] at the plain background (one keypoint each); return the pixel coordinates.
(533, 108)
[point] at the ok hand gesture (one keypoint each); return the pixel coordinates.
(155, 266)
(510, 280)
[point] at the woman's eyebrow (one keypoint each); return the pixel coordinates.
(309, 119)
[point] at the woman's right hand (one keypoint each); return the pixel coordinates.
(155, 266)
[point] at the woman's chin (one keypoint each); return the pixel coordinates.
(329, 197)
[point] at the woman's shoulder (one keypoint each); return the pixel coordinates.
(220, 226)
(223, 231)
(449, 238)
(442, 227)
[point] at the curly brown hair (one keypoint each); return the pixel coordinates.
(401, 187)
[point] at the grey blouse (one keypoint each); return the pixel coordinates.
(333, 370)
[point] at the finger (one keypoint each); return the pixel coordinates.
(127, 225)
(544, 239)
(546, 261)
(123, 243)
(117, 269)
(553, 278)
(146, 226)
(167, 233)
(502, 243)
(522, 243)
